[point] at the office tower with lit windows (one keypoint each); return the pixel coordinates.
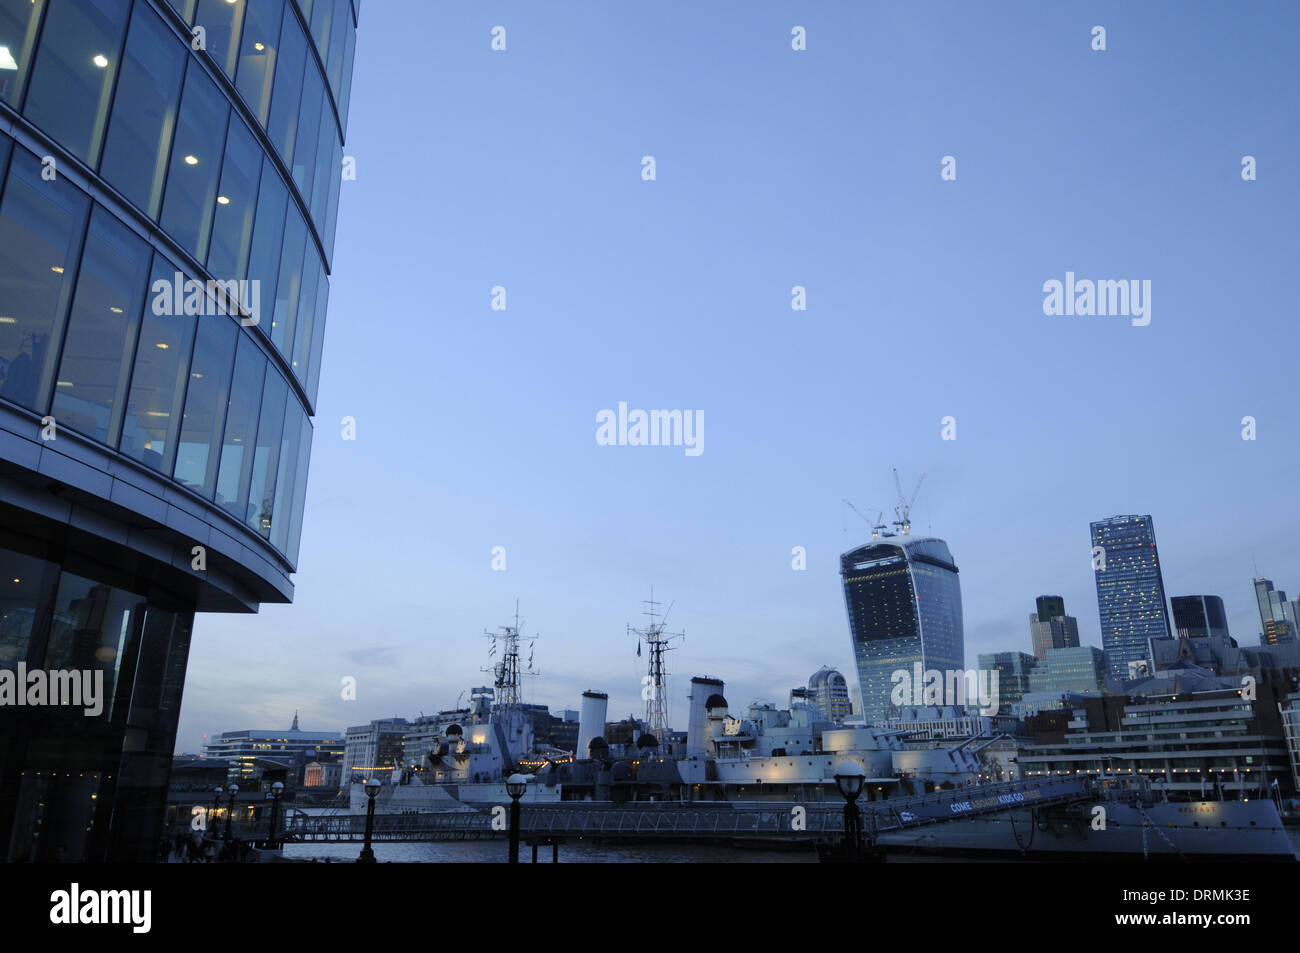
(169, 185)
(1051, 628)
(1277, 617)
(1130, 590)
(903, 598)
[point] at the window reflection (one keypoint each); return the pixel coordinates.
(287, 97)
(261, 493)
(191, 198)
(221, 20)
(144, 111)
(232, 229)
(199, 450)
(257, 55)
(241, 428)
(40, 227)
(158, 379)
(76, 64)
(19, 20)
(100, 340)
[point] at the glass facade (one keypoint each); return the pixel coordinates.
(1199, 616)
(1130, 590)
(168, 193)
(904, 604)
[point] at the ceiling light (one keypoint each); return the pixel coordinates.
(222, 200)
(57, 269)
(191, 160)
(100, 60)
(7, 59)
(163, 345)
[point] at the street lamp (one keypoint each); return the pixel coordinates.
(277, 789)
(216, 805)
(367, 854)
(515, 786)
(849, 778)
(230, 810)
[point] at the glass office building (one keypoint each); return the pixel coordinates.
(1130, 590)
(169, 185)
(904, 604)
(1197, 617)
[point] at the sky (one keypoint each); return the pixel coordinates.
(774, 168)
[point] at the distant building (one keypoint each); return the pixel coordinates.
(1081, 669)
(1013, 670)
(1197, 617)
(376, 749)
(1051, 628)
(291, 747)
(1130, 589)
(1277, 616)
(322, 774)
(934, 722)
(1290, 711)
(903, 597)
(828, 692)
(1239, 748)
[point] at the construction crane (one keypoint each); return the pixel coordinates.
(903, 510)
(876, 525)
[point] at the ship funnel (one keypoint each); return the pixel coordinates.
(702, 689)
(591, 722)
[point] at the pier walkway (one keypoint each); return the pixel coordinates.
(701, 820)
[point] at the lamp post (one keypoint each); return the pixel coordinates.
(515, 786)
(230, 810)
(849, 778)
(277, 789)
(368, 854)
(216, 806)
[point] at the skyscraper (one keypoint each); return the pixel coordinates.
(1277, 616)
(1051, 628)
(1130, 590)
(167, 218)
(904, 605)
(1199, 617)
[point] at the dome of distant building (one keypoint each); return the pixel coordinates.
(715, 701)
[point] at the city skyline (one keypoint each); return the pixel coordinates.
(923, 298)
(679, 684)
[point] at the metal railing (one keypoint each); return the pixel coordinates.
(762, 820)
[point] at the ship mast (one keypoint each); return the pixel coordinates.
(654, 689)
(506, 671)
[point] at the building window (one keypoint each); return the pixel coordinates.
(100, 341)
(72, 79)
(144, 111)
(158, 380)
(40, 231)
(191, 197)
(19, 21)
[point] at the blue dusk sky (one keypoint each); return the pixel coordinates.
(522, 168)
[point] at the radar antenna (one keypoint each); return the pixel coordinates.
(654, 690)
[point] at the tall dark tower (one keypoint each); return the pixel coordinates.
(167, 219)
(1130, 590)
